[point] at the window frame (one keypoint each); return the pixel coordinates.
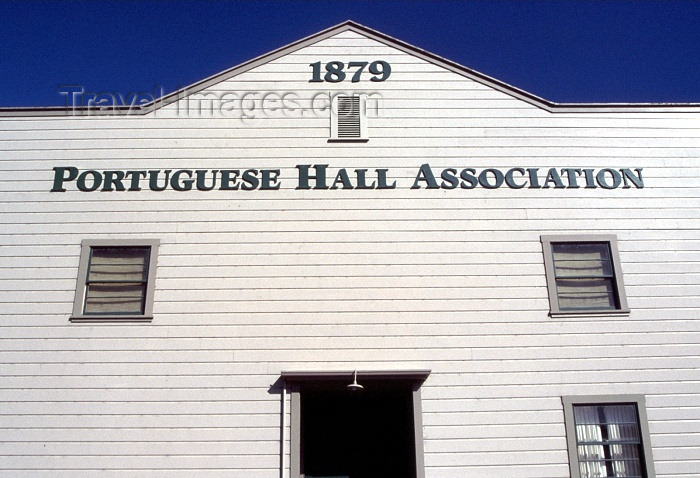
(618, 283)
(363, 138)
(569, 402)
(87, 246)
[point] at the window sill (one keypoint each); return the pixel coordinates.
(590, 313)
(101, 319)
(348, 140)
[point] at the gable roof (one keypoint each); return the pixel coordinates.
(329, 32)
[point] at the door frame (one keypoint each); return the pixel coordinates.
(293, 382)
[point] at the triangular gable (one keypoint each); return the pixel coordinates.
(368, 33)
(330, 32)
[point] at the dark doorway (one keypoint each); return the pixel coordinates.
(357, 434)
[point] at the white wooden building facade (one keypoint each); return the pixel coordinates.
(294, 244)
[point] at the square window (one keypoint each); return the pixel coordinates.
(583, 274)
(116, 280)
(608, 437)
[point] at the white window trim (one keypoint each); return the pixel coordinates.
(638, 400)
(363, 138)
(80, 289)
(554, 309)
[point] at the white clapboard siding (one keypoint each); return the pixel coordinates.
(253, 283)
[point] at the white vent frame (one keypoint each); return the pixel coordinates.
(354, 132)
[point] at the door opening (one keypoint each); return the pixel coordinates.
(368, 433)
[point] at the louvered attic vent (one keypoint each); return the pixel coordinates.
(348, 119)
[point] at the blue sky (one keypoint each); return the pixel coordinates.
(563, 51)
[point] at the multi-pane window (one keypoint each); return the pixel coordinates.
(116, 280)
(606, 438)
(583, 274)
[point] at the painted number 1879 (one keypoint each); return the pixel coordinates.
(337, 71)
